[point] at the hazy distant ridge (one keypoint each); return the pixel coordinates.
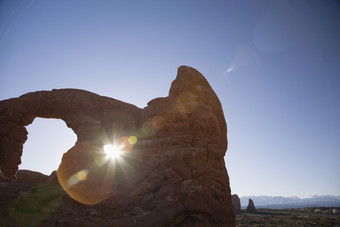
(292, 202)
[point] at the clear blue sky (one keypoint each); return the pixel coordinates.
(275, 65)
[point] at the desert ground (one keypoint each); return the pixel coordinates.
(311, 216)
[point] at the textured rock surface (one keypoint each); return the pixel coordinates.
(251, 206)
(236, 202)
(173, 175)
(31, 176)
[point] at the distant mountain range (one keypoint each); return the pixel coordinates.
(279, 202)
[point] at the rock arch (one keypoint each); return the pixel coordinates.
(81, 111)
(176, 169)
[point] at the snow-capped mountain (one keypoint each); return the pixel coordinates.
(291, 202)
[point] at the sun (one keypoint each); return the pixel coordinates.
(112, 151)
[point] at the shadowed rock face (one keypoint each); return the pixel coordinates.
(251, 206)
(30, 176)
(236, 203)
(173, 175)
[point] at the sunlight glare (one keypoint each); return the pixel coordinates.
(112, 151)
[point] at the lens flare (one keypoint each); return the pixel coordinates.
(84, 177)
(77, 177)
(158, 122)
(187, 102)
(232, 67)
(87, 172)
(132, 140)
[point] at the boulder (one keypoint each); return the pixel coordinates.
(236, 203)
(31, 176)
(251, 206)
(171, 170)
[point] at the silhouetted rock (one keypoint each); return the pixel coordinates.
(251, 206)
(53, 177)
(172, 171)
(31, 176)
(236, 202)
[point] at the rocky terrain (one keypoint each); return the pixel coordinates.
(172, 171)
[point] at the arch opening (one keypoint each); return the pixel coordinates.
(48, 140)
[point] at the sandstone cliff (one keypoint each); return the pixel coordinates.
(172, 171)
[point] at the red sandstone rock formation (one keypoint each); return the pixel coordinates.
(236, 202)
(173, 175)
(31, 176)
(251, 206)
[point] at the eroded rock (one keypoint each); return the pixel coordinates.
(251, 206)
(31, 176)
(236, 203)
(172, 171)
